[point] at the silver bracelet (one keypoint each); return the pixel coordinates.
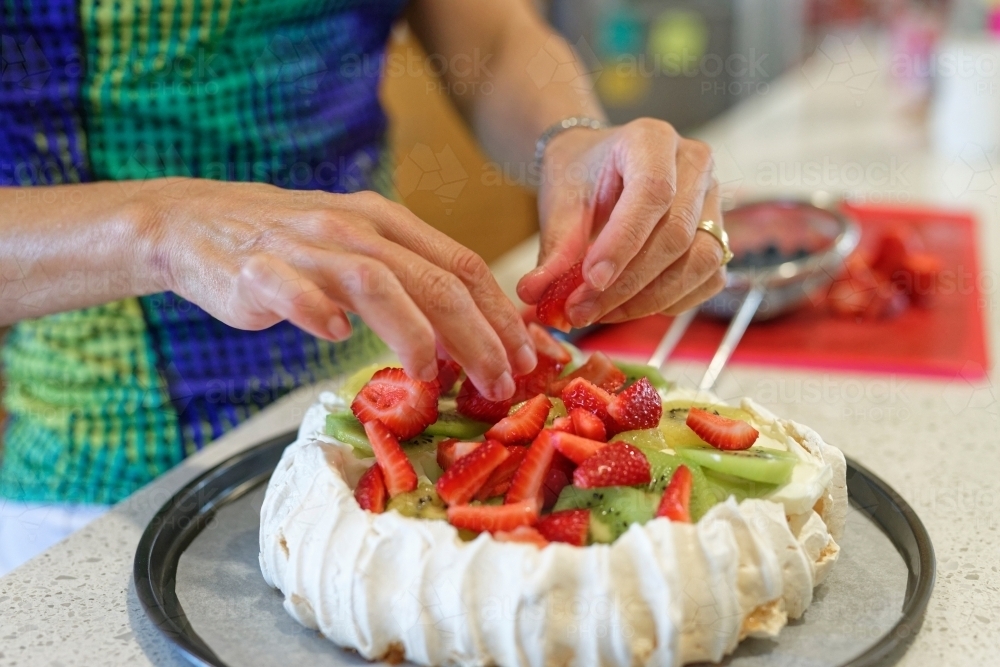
(558, 128)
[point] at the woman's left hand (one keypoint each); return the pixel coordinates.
(638, 191)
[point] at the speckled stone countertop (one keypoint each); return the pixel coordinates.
(936, 442)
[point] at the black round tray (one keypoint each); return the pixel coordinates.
(185, 515)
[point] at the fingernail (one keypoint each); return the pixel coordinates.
(525, 359)
(428, 372)
(600, 275)
(582, 314)
(503, 388)
(339, 327)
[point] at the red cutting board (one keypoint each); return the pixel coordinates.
(946, 339)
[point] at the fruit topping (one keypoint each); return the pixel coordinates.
(404, 405)
(500, 479)
(580, 393)
(635, 371)
(448, 374)
(566, 424)
(612, 509)
(396, 468)
(537, 381)
(451, 424)
(474, 405)
(721, 432)
(637, 407)
(421, 503)
(450, 450)
(460, 482)
(598, 370)
(546, 345)
(370, 491)
(759, 465)
(525, 424)
(569, 526)
(587, 425)
(616, 464)
(523, 534)
(551, 309)
(346, 428)
(676, 501)
(576, 448)
(530, 476)
(494, 518)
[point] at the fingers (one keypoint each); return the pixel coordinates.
(697, 199)
(645, 158)
(269, 290)
(401, 227)
(712, 286)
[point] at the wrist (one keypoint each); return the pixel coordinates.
(144, 213)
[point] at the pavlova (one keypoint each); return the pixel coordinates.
(600, 517)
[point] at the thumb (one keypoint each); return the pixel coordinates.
(565, 232)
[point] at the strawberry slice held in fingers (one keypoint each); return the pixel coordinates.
(500, 479)
(576, 448)
(404, 405)
(598, 370)
(474, 405)
(530, 476)
(494, 518)
(370, 491)
(460, 483)
(524, 425)
(569, 526)
(581, 393)
(676, 501)
(523, 534)
(547, 345)
(551, 308)
(638, 407)
(721, 432)
(451, 450)
(448, 374)
(397, 470)
(588, 425)
(616, 464)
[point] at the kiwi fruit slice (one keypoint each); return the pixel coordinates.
(558, 409)
(421, 503)
(451, 424)
(675, 429)
(754, 464)
(634, 372)
(724, 486)
(358, 379)
(345, 427)
(612, 508)
(422, 452)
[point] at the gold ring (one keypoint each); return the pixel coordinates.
(720, 235)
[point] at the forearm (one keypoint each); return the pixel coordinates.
(72, 246)
(513, 95)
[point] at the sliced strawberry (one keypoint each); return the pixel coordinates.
(555, 481)
(576, 448)
(637, 407)
(500, 479)
(598, 370)
(523, 534)
(404, 405)
(460, 483)
(565, 424)
(617, 464)
(397, 470)
(580, 393)
(528, 480)
(474, 405)
(547, 345)
(524, 425)
(370, 491)
(448, 373)
(568, 526)
(551, 309)
(451, 450)
(588, 425)
(537, 381)
(721, 432)
(494, 518)
(676, 501)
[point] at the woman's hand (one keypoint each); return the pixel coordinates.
(253, 254)
(637, 191)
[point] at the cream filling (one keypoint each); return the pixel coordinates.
(662, 594)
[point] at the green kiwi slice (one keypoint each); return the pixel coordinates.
(345, 427)
(724, 486)
(754, 464)
(612, 508)
(451, 424)
(634, 372)
(421, 503)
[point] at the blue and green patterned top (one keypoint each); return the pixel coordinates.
(103, 400)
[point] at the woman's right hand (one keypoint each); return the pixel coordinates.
(252, 255)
